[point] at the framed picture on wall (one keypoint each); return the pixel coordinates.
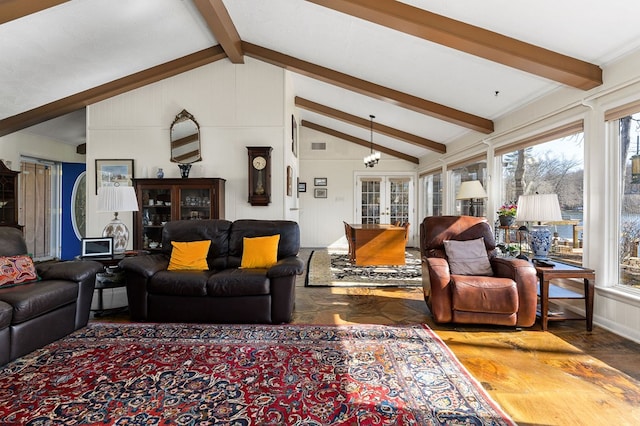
(302, 186)
(114, 173)
(320, 181)
(320, 193)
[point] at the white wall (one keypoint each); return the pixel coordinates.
(616, 310)
(236, 106)
(23, 143)
(321, 218)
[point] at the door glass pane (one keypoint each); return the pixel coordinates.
(399, 201)
(370, 201)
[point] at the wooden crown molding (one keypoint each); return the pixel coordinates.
(108, 90)
(473, 40)
(364, 123)
(363, 87)
(14, 9)
(222, 27)
(358, 141)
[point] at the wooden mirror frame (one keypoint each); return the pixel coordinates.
(185, 139)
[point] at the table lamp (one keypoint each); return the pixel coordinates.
(539, 208)
(470, 190)
(117, 199)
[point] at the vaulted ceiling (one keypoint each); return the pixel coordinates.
(429, 70)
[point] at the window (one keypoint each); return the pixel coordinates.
(463, 173)
(432, 190)
(629, 210)
(552, 163)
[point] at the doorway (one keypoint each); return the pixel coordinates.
(385, 199)
(39, 206)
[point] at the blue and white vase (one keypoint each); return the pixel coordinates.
(540, 240)
(160, 173)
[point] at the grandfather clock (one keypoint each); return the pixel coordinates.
(259, 175)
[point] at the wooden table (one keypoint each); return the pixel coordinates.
(376, 244)
(549, 291)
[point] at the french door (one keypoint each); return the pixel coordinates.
(384, 199)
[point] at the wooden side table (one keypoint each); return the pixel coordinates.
(548, 291)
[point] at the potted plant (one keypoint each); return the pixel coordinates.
(507, 214)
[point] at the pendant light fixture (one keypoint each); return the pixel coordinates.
(373, 158)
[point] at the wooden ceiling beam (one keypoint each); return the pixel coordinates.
(108, 90)
(363, 87)
(366, 124)
(14, 9)
(358, 141)
(222, 27)
(473, 40)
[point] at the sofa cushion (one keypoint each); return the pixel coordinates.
(189, 255)
(238, 282)
(484, 295)
(34, 299)
(215, 230)
(17, 270)
(180, 283)
(468, 257)
(6, 313)
(289, 232)
(260, 252)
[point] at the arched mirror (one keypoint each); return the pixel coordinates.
(185, 139)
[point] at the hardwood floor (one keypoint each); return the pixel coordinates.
(564, 376)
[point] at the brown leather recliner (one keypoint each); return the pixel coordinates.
(507, 298)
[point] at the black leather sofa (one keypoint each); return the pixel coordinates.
(225, 293)
(35, 314)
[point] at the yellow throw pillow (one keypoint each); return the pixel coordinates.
(260, 252)
(189, 256)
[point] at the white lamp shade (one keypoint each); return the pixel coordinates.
(117, 199)
(471, 189)
(538, 208)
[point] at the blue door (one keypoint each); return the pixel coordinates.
(74, 197)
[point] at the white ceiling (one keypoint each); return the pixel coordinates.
(81, 44)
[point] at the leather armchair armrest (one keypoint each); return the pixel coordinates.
(436, 279)
(526, 278)
(74, 270)
(145, 266)
(286, 267)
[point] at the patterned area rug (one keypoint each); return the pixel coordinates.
(331, 268)
(182, 374)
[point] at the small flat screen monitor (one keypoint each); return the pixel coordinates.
(96, 247)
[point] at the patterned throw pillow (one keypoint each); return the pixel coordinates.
(17, 270)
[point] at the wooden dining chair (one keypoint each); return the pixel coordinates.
(348, 232)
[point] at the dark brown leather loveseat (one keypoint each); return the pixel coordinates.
(505, 294)
(37, 313)
(225, 293)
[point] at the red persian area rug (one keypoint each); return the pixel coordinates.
(186, 374)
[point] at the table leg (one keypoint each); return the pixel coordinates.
(544, 303)
(588, 302)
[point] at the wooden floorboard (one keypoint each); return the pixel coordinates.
(564, 376)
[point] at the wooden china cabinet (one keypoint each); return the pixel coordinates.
(8, 197)
(163, 200)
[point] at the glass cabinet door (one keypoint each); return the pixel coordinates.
(156, 212)
(195, 203)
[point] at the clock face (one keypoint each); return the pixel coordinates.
(259, 163)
